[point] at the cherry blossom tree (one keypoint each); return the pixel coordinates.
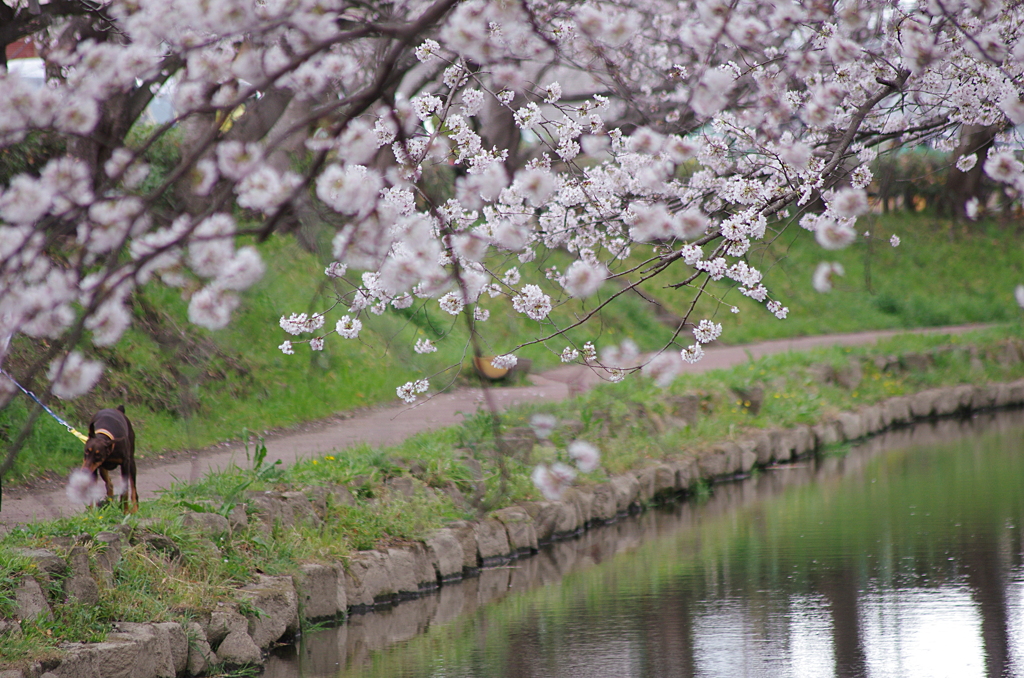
(641, 139)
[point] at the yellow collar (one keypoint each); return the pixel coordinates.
(105, 432)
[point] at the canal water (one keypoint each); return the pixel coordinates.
(901, 558)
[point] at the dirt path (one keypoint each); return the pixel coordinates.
(392, 424)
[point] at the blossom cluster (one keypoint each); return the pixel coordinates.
(757, 116)
(552, 480)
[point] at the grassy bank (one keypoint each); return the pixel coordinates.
(940, 274)
(455, 471)
(187, 388)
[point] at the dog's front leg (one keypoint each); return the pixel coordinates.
(106, 481)
(130, 497)
(134, 500)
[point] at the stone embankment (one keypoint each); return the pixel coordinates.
(269, 611)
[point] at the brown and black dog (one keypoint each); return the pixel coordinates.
(111, 444)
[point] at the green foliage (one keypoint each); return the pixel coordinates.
(162, 155)
(30, 154)
(12, 568)
(913, 179)
(49, 448)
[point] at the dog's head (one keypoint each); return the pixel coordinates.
(98, 449)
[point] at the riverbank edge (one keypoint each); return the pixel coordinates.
(272, 610)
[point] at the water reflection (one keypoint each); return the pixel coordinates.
(902, 564)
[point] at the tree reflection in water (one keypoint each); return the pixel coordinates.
(902, 558)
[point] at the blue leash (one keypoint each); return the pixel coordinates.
(71, 429)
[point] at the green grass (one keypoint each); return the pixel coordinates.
(620, 419)
(940, 274)
(150, 584)
(186, 388)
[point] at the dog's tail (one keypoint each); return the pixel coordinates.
(121, 408)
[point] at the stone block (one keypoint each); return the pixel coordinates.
(734, 460)
(851, 425)
(916, 362)
(715, 462)
(522, 538)
(210, 525)
(686, 474)
(627, 491)
(983, 397)
(83, 589)
(804, 441)
(922, 404)
(896, 411)
(762, 446)
(605, 506)
(275, 597)
(873, 420)
(285, 508)
(109, 555)
(321, 594)
(465, 532)
(491, 542)
(366, 579)
(748, 457)
(945, 401)
(178, 643)
(1003, 395)
(223, 621)
(403, 486)
(850, 375)
(78, 561)
(823, 373)
(238, 517)
(783, 445)
(582, 503)
(751, 398)
(410, 570)
(30, 601)
(747, 460)
(553, 519)
(964, 394)
(48, 562)
(341, 496)
(117, 658)
(645, 480)
(239, 649)
(685, 409)
(79, 661)
(827, 433)
(401, 571)
(445, 553)
(135, 651)
(200, 656)
(664, 479)
(157, 542)
(1016, 392)
(1009, 353)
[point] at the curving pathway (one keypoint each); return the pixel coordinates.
(392, 424)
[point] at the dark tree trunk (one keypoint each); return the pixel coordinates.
(839, 587)
(962, 186)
